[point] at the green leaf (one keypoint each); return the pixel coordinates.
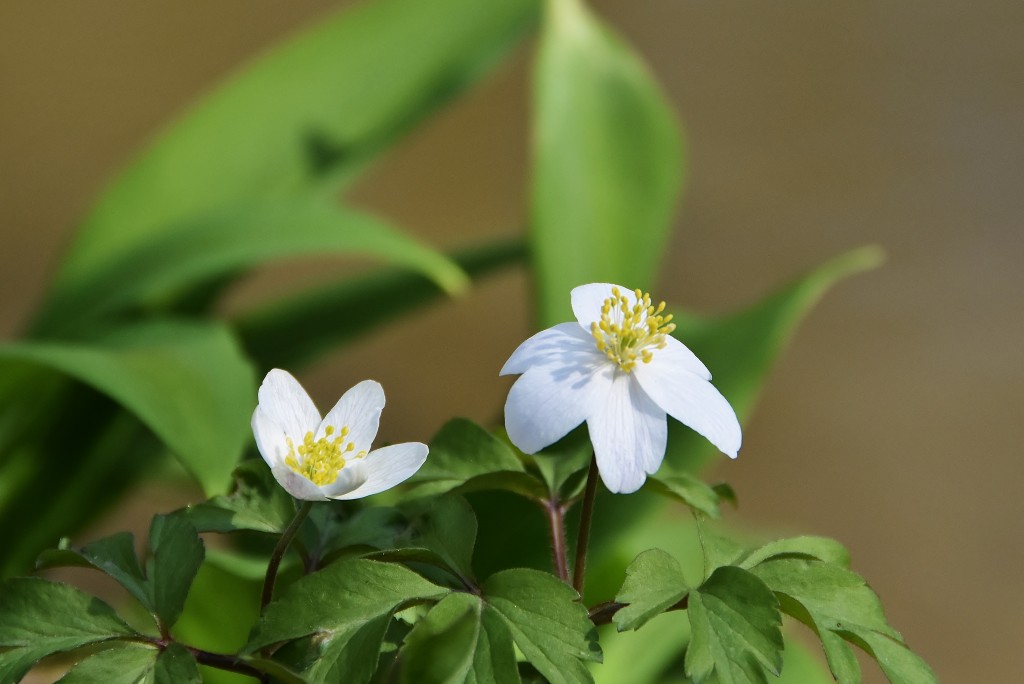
(317, 107)
(836, 602)
(460, 641)
(547, 622)
(255, 502)
(447, 527)
(465, 457)
(228, 241)
(734, 622)
(821, 548)
(175, 554)
(347, 310)
(123, 664)
(348, 605)
(740, 349)
(187, 382)
(689, 490)
(39, 618)
(654, 582)
(607, 161)
(564, 464)
(175, 665)
(113, 555)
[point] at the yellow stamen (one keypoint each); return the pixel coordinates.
(627, 334)
(320, 461)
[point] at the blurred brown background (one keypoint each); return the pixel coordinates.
(894, 421)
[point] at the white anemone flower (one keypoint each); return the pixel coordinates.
(316, 459)
(617, 368)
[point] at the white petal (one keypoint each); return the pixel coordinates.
(271, 440)
(358, 409)
(386, 468)
(554, 345)
(676, 353)
(693, 401)
(352, 477)
(283, 400)
(297, 485)
(588, 299)
(628, 432)
(548, 401)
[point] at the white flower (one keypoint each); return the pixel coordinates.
(316, 459)
(618, 369)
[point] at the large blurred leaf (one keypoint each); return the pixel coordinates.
(607, 161)
(344, 311)
(317, 107)
(740, 349)
(215, 245)
(187, 382)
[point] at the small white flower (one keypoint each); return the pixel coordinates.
(618, 369)
(316, 459)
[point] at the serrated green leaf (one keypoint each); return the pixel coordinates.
(719, 551)
(175, 554)
(833, 600)
(348, 605)
(734, 622)
(607, 161)
(187, 382)
(465, 457)
(821, 548)
(460, 641)
(547, 623)
(122, 664)
(229, 241)
(39, 618)
(255, 502)
(175, 665)
(689, 490)
(741, 348)
(447, 527)
(654, 582)
(297, 119)
(113, 555)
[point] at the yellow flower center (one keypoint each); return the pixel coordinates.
(628, 334)
(322, 460)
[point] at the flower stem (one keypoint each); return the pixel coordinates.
(556, 521)
(580, 569)
(279, 551)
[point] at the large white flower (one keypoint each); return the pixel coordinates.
(618, 369)
(316, 459)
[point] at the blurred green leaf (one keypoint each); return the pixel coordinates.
(460, 641)
(349, 605)
(347, 310)
(564, 464)
(316, 108)
(740, 349)
(548, 623)
(834, 601)
(38, 618)
(734, 622)
(188, 383)
(654, 582)
(228, 241)
(607, 161)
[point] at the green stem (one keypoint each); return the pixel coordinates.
(556, 522)
(583, 539)
(279, 551)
